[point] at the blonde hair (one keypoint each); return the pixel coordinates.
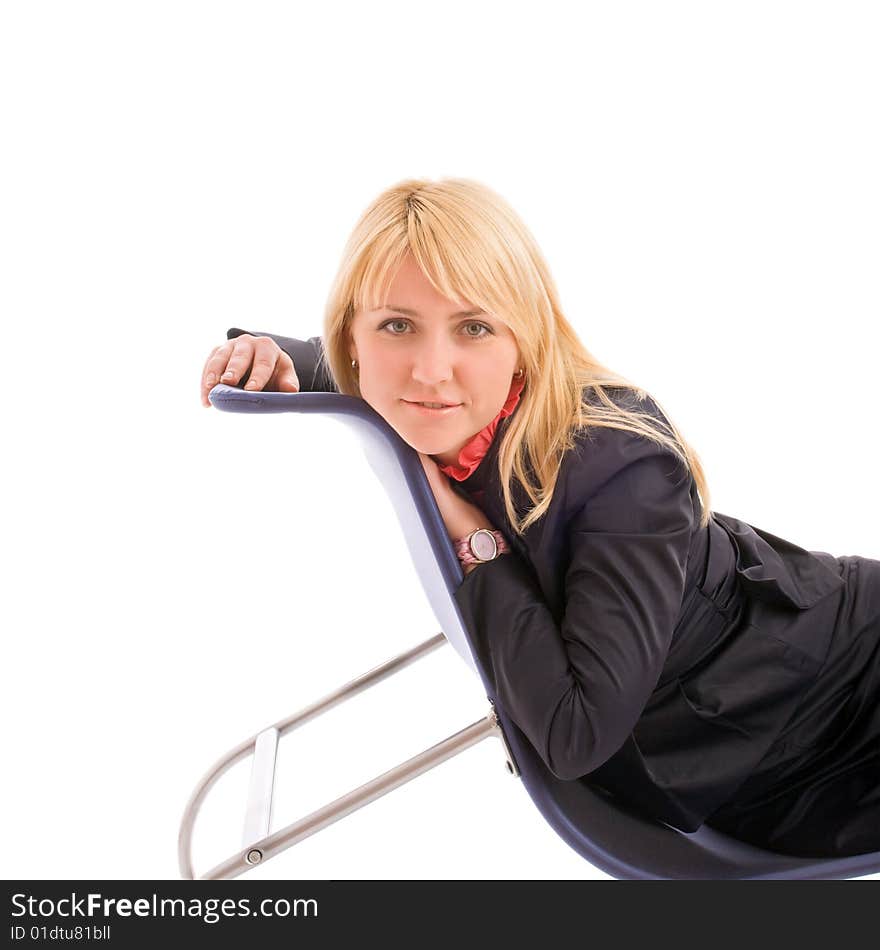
(472, 247)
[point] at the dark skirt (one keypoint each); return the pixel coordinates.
(816, 793)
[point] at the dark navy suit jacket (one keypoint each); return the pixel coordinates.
(635, 650)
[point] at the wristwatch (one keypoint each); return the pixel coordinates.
(480, 546)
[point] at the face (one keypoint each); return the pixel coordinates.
(436, 351)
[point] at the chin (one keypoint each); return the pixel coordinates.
(426, 446)
(423, 442)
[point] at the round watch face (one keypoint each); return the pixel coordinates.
(483, 545)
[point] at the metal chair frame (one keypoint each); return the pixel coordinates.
(258, 845)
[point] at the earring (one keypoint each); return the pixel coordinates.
(354, 364)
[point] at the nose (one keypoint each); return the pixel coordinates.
(433, 361)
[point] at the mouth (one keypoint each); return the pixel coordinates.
(433, 408)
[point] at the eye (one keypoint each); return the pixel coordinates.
(480, 326)
(474, 336)
(389, 323)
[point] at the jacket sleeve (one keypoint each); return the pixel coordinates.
(307, 356)
(577, 688)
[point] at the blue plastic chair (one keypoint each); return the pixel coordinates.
(610, 835)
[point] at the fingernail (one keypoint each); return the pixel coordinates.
(227, 373)
(212, 378)
(250, 385)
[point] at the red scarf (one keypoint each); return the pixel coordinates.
(473, 451)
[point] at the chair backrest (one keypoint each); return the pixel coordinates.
(610, 835)
(400, 472)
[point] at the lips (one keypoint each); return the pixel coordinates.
(447, 410)
(432, 403)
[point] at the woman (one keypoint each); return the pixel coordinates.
(699, 668)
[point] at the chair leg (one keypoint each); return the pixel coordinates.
(258, 844)
(292, 834)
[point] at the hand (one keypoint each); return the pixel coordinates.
(460, 516)
(270, 367)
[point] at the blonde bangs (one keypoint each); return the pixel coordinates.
(464, 258)
(454, 261)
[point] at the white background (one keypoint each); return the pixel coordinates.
(702, 178)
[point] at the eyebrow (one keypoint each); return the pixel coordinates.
(452, 316)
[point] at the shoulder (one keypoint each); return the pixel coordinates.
(594, 439)
(638, 401)
(602, 454)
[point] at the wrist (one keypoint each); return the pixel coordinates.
(480, 545)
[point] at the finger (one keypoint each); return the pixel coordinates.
(265, 358)
(238, 363)
(214, 366)
(284, 379)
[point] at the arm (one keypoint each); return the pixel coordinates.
(307, 355)
(577, 689)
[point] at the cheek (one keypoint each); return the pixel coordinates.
(501, 394)
(381, 394)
